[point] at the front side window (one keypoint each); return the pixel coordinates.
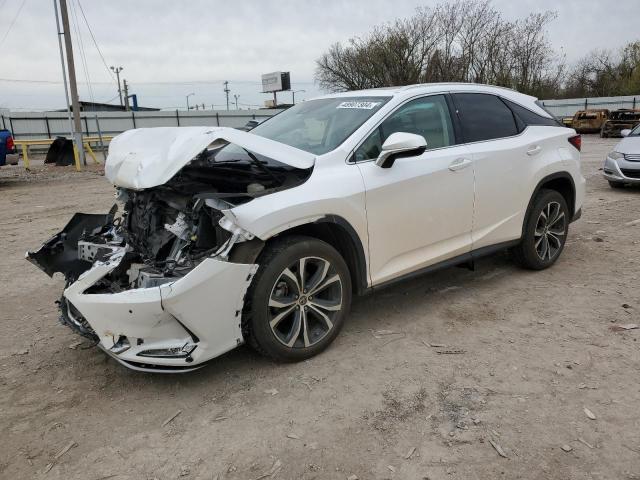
(427, 116)
(319, 126)
(484, 117)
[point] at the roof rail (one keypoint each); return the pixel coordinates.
(418, 85)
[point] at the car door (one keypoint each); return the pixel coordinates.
(419, 211)
(503, 161)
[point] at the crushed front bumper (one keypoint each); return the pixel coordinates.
(176, 326)
(173, 327)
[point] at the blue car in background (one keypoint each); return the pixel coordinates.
(8, 152)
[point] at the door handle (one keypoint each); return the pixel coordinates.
(534, 150)
(459, 164)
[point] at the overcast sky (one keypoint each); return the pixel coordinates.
(172, 48)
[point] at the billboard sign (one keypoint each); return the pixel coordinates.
(275, 82)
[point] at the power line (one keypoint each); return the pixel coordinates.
(12, 22)
(168, 82)
(83, 56)
(95, 42)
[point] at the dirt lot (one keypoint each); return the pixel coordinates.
(533, 350)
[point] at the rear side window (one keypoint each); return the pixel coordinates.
(527, 117)
(484, 117)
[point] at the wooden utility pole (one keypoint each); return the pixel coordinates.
(73, 87)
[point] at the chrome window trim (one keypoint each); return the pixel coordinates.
(365, 137)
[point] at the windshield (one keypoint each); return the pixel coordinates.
(319, 126)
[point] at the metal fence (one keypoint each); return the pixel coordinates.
(25, 126)
(32, 125)
(568, 107)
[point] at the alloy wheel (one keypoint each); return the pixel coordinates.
(550, 232)
(304, 301)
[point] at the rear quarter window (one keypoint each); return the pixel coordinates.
(531, 118)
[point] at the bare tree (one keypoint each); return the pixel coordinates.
(465, 40)
(606, 73)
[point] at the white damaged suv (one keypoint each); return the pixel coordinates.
(229, 237)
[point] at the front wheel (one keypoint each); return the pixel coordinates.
(298, 300)
(545, 232)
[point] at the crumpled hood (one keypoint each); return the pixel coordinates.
(628, 145)
(148, 157)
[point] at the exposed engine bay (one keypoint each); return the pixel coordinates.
(166, 230)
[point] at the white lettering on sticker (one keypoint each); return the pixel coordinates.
(359, 105)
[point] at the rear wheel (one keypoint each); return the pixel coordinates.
(613, 184)
(298, 300)
(545, 232)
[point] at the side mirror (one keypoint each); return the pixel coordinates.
(625, 132)
(400, 144)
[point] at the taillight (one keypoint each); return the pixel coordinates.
(576, 141)
(10, 144)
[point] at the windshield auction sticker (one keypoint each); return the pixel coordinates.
(359, 105)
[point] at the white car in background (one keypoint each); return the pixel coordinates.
(262, 237)
(622, 165)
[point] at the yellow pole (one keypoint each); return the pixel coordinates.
(90, 152)
(77, 157)
(25, 156)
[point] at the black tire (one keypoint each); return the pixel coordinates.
(530, 253)
(616, 184)
(271, 284)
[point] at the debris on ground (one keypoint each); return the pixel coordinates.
(271, 391)
(451, 351)
(293, 436)
(171, 418)
(75, 345)
(435, 345)
(589, 413)
(582, 386)
(498, 448)
(57, 456)
(277, 465)
(409, 453)
(598, 239)
(385, 333)
(391, 468)
(621, 328)
(583, 441)
(352, 477)
(69, 446)
(566, 448)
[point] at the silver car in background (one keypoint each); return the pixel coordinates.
(622, 165)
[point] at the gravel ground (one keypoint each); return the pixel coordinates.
(533, 350)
